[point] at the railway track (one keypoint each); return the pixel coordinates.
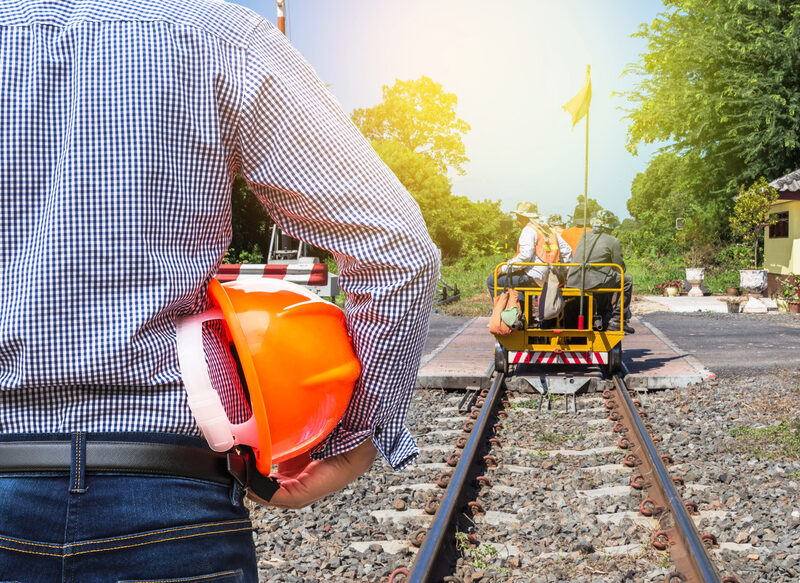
(489, 472)
(554, 502)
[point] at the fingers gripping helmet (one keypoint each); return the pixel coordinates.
(297, 360)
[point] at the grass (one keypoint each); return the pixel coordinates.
(648, 273)
(470, 277)
(527, 404)
(769, 442)
(479, 557)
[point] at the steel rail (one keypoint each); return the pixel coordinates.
(689, 557)
(427, 564)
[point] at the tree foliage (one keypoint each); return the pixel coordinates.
(458, 226)
(719, 83)
(721, 80)
(751, 213)
(421, 116)
(592, 208)
(251, 226)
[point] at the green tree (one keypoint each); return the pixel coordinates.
(592, 208)
(458, 226)
(721, 80)
(751, 213)
(421, 116)
(251, 226)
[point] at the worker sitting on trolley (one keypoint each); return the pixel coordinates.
(601, 247)
(538, 243)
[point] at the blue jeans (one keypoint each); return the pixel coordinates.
(88, 528)
(505, 281)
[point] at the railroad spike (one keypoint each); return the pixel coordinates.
(399, 575)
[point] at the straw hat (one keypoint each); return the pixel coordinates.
(529, 210)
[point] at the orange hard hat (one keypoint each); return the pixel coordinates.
(297, 360)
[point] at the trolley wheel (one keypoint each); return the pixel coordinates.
(500, 358)
(614, 365)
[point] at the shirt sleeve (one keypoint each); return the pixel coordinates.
(527, 246)
(322, 183)
(564, 249)
(616, 254)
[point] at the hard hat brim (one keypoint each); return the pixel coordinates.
(264, 450)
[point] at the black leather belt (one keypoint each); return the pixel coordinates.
(138, 458)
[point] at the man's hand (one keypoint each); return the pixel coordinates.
(304, 481)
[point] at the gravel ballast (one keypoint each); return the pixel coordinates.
(561, 507)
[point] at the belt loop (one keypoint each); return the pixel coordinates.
(77, 463)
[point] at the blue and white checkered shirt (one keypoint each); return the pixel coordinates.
(122, 126)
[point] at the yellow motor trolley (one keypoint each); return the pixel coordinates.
(561, 340)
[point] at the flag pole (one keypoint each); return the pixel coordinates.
(585, 205)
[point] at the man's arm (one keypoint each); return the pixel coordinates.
(564, 250)
(303, 481)
(616, 252)
(322, 182)
(527, 247)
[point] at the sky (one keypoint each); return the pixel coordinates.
(512, 64)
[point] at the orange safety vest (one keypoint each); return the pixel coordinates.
(573, 236)
(546, 246)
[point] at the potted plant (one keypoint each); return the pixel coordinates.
(693, 233)
(751, 214)
(790, 293)
(670, 287)
(734, 304)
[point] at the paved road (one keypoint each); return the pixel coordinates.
(731, 344)
(442, 327)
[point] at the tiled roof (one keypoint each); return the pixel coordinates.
(788, 183)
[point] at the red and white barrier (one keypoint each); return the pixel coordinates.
(307, 274)
(542, 357)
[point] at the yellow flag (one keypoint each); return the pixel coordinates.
(578, 106)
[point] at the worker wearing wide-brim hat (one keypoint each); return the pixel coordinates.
(538, 243)
(602, 247)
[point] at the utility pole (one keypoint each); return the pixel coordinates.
(281, 15)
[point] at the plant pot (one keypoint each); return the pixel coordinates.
(671, 291)
(695, 275)
(734, 307)
(794, 307)
(732, 291)
(753, 281)
(783, 305)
